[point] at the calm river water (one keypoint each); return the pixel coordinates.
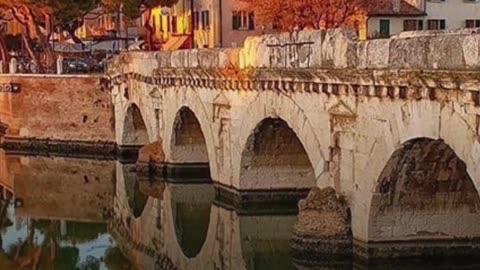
(66, 213)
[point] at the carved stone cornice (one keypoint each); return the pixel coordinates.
(401, 84)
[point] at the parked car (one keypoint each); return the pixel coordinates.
(81, 65)
(25, 65)
(75, 65)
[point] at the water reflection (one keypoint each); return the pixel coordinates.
(191, 205)
(52, 214)
(66, 214)
(136, 199)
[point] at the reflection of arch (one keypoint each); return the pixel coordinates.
(191, 207)
(134, 129)
(424, 193)
(137, 200)
(274, 157)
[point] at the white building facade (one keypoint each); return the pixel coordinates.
(411, 15)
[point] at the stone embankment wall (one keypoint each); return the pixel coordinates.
(57, 107)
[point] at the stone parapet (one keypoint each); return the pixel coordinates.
(332, 49)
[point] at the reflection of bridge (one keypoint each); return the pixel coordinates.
(186, 230)
(374, 120)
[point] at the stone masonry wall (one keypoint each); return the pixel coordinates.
(58, 107)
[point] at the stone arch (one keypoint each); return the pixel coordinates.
(192, 100)
(135, 131)
(404, 122)
(188, 142)
(424, 192)
(284, 108)
(274, 157)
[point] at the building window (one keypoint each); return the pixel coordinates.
(385, 28)
(436, 24)
(243, 20)
(276, 23)
(472, 23)
(205, 19)
(196, 20)
(169, 24)
(412, 25)
(251, 21)
(174, 24)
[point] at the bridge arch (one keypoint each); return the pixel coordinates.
(274, 157)
(424, 192)
(401, 123)
(135, 131)
(289, 116)
(188, 141)
(190, 102)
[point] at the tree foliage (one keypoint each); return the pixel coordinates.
(289, 14)
(39, 19)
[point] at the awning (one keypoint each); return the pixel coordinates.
(175, 42)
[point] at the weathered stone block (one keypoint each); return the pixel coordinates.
(446, 52)
(192, 58)
(229, 58)
(208, 58)
(339, 49)
(323, 224)
(164, 59)
(471, 48)
(179, 58)
(378, 53)
(313, 51)
(409, 53)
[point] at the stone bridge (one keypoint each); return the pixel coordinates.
(393, 125)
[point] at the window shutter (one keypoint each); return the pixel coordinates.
(442, 24)
(234, 20)
(251, 21)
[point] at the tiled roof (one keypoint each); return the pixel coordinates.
(386, 8)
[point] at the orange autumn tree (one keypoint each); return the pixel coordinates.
(35, 19)
(290, 14)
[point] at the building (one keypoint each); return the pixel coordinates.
(109, 31)
(215, 23)
(387, 18)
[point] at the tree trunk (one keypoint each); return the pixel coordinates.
(71, 33)
(4, 54)
(28, 45)
(149, 28)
